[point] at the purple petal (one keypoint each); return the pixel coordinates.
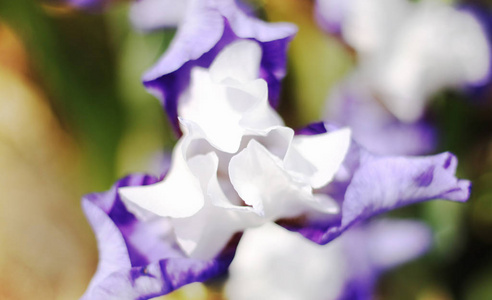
(140, 260)
(208, 27)
(313, 129)
(373, 126)
(378, 246)
(381, 183)
(394, 242)
(114, 255)
(156, 279)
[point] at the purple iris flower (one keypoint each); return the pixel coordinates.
(139, 258)
(240, 167)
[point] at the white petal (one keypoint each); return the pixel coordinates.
(369, 25)
(205, 234)
(204, 167)
(261, 182)
(239, 60)
(432, 46)
(276, 139)
(273, 263)
(260, 114)
(232, 94)
(178, 195)
(325, 204)
(236, 110)
(207, 105)
(324, 153)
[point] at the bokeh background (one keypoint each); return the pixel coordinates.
(74, 117)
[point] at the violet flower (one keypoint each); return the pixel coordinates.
(347, 268)
(237, 167)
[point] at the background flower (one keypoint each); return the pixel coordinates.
(409, 54)
(345, 269)
(404, 58)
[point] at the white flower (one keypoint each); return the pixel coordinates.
(408, 51)
(236, 165)
(273, 263)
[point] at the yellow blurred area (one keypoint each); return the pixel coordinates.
(46, 247)
(12, 53)
(434, 295)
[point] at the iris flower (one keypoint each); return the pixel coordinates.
(408, 51)
(347, 268)
(237, 166)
